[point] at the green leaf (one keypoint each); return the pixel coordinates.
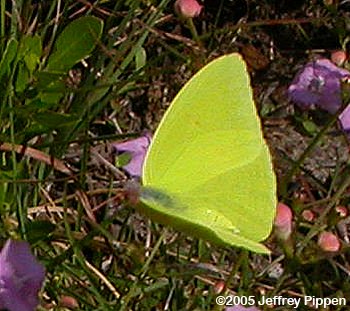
(208, 171)
(50, 98)
(46, 79)
(28, 58)
(310, 127)
(140, 58)
(23, 77)
(51, 87)
(31, 50)
(123, 159)
(8, 56)
(39, 230)
(75, 43)
(54, 120)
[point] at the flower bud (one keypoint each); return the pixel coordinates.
(188, 8)
(338, 57)
(308, 215)
(219, 287)
(283, 221)
(68, 302)
(328, 242)
(342, 211)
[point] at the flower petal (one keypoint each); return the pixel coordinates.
(137, 148)
(21, 277)
(344, 119)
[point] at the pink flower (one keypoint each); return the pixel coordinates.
(21, 277)
(188, 8)
(283, 221)
(328, 242)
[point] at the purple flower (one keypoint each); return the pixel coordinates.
(21, 277)
(137, 149)
(318, 84)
